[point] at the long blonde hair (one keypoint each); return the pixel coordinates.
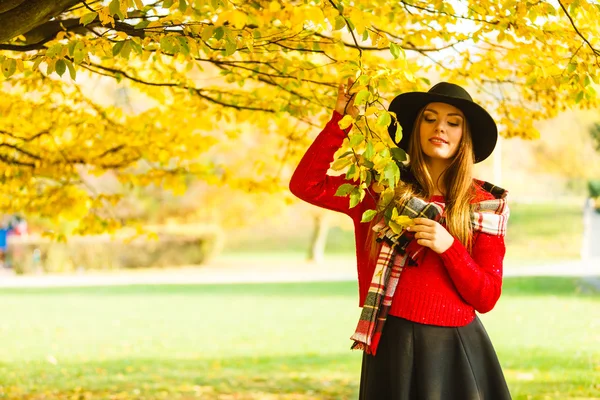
(457, 178)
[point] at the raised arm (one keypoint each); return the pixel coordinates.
(478, 278)
(310, 181)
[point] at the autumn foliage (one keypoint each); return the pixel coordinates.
(234, 90)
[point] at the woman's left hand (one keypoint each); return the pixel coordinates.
(431, 234)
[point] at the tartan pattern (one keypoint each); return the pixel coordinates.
(400, 250)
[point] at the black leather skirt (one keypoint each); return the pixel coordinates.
(427, 362)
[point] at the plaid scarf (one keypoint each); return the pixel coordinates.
(400, 250)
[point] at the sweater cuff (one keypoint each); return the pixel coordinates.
(337, 117)
(455, 253)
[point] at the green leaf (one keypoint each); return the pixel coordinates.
(340, 22)
(217, 3)
(392, 174)
(184, 45)
(54, 50)
(219, 32)
(368, 215)
(368, 177)
(363, 80)
(9, 66)
(168, 3)
(230, 47)
(384, 119)
(354, 198)
(344, 189)
(395, 50)
(207, 32)
(79, 52)
(88, 18)
(115, 8)
(182, 5)
(72, 71)
(61, 67)
(351, 171)
(117, 48)
(136, 47)
(126, 49)
(587, 80)
(369, 151)
(356, 139)
(365, 35)
(398, 154)
(362, 97)
(368, 164)
(571, 67)
(398, 134)
(579, 97)
(36, 63)
(143, 24)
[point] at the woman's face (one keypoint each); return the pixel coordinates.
(441, 130)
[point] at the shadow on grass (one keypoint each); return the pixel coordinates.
(298, 377)
(275, 377)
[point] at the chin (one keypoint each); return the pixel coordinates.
(437, 155)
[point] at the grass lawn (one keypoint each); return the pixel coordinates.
(264, 341)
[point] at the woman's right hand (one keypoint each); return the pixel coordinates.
(344, 97)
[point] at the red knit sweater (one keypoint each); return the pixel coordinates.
(445, 289)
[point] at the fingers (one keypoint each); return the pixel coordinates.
(341, 88)
(425, 242)
(420, 228)
(424, 235)
(424, 221)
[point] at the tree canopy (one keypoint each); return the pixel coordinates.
(233, 88)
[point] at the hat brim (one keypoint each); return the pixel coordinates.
(484, 131)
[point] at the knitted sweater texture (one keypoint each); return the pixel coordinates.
(444, 289)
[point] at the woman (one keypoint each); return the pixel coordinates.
(420, 288)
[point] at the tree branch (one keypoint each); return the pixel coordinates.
(595, 51)
(199, 92)
(29, 14)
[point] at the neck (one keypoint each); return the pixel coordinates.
(436, 167)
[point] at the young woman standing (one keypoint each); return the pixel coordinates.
(419, 287)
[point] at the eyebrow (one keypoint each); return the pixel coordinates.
(435, 112)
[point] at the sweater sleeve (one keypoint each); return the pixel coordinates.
(478, 278)
(310, 181)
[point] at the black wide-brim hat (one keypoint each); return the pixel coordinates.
(484, 131)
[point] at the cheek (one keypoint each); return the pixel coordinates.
(455, 135)
(424, 133)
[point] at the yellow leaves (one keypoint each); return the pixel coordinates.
(341, 163)
(345, 122)
(370, 111)
(358, 17)
(235, 17)
(315, 15)
(399, 222)
(274, 6)
(86, 19)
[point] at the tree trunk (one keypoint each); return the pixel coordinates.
(319, 239)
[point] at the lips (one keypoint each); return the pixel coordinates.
(438, 140)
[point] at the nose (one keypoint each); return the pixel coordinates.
(440, 126)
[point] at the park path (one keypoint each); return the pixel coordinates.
(223, 271)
